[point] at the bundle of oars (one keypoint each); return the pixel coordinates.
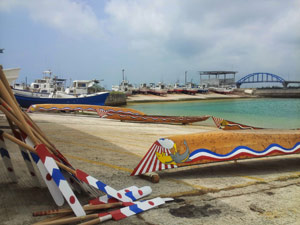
(95, 211)
(55, 169)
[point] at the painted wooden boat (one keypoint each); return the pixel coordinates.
(156, 118)
(101, 110)
(191, 149)
(230, 125)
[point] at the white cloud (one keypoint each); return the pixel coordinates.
(75, 19)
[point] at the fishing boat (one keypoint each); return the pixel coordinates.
(178, 88)
(84, 87)
(144, 89)
(222, 90)
(158, 89)
(51, 89)
(26, 101)
(190, 89)
(207, 147)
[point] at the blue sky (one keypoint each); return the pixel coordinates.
(153, 40)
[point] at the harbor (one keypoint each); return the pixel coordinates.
(146, 112)
(217, 193)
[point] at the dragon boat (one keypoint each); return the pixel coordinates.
(118, 113)
(208, 147)
(156, 118)
(101, 110)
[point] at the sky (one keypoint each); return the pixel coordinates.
(152, 40)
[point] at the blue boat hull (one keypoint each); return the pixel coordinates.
(26, 101)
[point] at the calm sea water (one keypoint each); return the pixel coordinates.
(263, 112)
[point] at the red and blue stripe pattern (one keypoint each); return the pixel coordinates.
(240, 151)
(121, 196)
(150, 161)
(49, 162)
(27, 160)
(108, 199)
(131, 209)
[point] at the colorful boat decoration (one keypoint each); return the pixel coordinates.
(118, 113)
(229, 125)
(101, 110)
(191, 149)
(156, 118)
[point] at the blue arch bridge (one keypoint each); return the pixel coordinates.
(263, 78)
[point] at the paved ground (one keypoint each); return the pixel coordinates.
(263, 191)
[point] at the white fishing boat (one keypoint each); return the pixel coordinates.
(144, 89)
(190, 88)
(51, 89)
(84, 87)
(158, 89)
(124, 87)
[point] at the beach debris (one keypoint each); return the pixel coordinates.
(57, 172)
(191, 149)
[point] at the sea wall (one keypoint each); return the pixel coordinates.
(116, 99)
(278, 93)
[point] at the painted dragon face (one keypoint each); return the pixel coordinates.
(162, 157)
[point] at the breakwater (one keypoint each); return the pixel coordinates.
(278, 93)
(116, 99)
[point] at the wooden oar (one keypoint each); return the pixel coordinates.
(124, 197)
(8, 98)
(86, 208)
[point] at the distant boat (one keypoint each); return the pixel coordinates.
(222, 90)
(158, 89)
(124, 87)
(178, 88)
(143, 89)
(190, 89)
(93, 99)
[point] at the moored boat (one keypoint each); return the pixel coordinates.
(178, 88)
(158, 89)
(51, 89)
(93, 99)
(190, 89)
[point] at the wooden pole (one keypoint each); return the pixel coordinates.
(21, 143)
(6, 96)
(68, 220)
(86, 208)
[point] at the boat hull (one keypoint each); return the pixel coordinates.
(201, 148)
(156, 118)
(97, 99)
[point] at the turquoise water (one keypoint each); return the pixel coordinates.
(262, 112)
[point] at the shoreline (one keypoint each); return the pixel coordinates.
(140, 98)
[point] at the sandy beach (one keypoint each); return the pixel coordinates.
(245, 192)
(181, 97)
